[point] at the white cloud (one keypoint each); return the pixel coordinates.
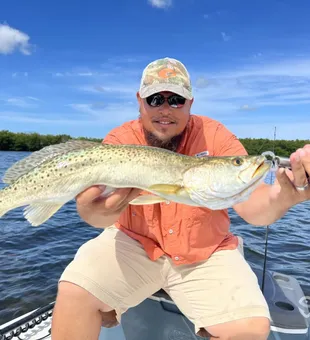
(114, 113)
(22, 102)
(247, 107)
(267, 85)
(125, 59)
(160, 3)
(244, 95)
(12, 39)
(75, 74)
(85, 74)
(86, 108)
(291, 68)
(88, 114)
(285, 130)
(17, 74)
(257, 55)
(115, 89)
(33, 98)
(225, 37)
(250, 99)
(36, 119)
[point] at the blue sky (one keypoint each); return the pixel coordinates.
(74, 67)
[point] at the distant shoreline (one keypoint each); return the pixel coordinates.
(14, 141)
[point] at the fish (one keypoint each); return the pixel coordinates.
(48, 178)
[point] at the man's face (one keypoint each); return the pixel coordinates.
(165, 121)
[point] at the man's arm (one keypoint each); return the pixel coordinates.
(268, 203)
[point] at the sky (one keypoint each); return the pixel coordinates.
(74, 67)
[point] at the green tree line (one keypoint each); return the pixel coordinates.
(10, 141)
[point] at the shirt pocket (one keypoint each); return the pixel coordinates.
(199, 227)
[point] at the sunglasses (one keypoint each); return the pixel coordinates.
(157, 99)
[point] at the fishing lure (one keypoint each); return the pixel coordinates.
(279, 162)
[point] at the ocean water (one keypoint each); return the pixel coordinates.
(33, 258)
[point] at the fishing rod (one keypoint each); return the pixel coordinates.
(278, 162)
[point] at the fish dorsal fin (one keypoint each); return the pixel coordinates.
(25, 165)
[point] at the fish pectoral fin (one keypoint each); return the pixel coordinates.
(38, 213)
(165, 188)
(147, 199)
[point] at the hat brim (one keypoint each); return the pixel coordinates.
(154, 88)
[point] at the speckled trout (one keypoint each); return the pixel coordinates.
(47, 179)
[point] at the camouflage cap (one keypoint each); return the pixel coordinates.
(166, 74)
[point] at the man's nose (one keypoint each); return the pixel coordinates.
(165, 107)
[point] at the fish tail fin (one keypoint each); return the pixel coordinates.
(4, 206)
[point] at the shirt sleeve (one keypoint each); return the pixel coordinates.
(111, 138)
(227, 144)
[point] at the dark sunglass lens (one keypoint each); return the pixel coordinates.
(176, 101)
(155, 100)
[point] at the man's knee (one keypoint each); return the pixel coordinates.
(75, 294)
(75, 300)
(254, 328)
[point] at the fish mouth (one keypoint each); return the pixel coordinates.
(261, 169)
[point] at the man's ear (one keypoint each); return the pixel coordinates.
(138, 96)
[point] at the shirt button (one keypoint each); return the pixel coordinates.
(176, 258)
(167, 202)
(170, 231)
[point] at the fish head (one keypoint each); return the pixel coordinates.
(220, 182)
(253, 169)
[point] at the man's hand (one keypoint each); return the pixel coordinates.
(294, 186)
(268, 203)
(100, 211)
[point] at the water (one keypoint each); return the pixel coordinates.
(33, 258)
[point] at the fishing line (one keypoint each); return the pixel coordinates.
(267, 227)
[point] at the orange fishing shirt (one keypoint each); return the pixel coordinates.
(187, 234)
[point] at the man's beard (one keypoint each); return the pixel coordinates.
(171, 144)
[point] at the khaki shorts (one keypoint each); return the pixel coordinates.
(115, 269)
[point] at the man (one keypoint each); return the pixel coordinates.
(187, 251)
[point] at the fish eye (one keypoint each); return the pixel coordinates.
(237, 161)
